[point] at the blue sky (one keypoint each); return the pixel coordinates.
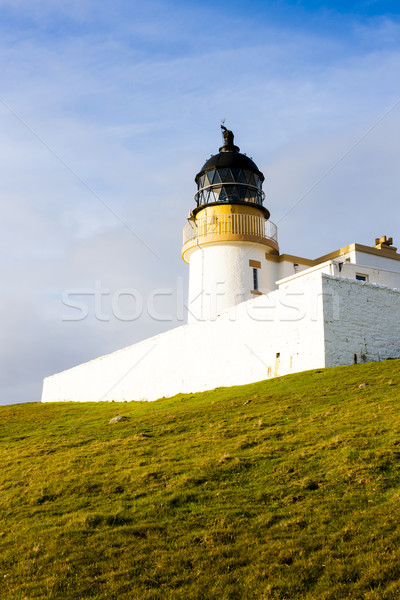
(107, 112)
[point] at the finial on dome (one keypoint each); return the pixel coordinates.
(228, 136)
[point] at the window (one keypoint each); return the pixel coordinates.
(255, 280)
(361, 277)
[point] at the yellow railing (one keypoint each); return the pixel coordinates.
(230, 224)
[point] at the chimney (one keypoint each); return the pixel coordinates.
(384, 243)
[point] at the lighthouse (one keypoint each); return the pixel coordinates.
(254, 312)
(229, 235)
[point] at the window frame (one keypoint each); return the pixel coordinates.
(255, 280)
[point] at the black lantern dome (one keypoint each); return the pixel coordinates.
(229, 177)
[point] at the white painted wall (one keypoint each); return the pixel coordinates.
(220, 277)
(239, 347)
(349, 270)
(379, 262)
(359, 318)
(312, 320)
(380, 276)
(287, 268)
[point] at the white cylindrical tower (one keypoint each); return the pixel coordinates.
(228, 235)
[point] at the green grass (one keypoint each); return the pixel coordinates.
(288, 488)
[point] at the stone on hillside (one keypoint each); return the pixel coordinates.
(309, 484)
(117, 419)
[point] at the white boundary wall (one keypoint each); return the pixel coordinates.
(361, 319)
(238, 347)
(312, 321)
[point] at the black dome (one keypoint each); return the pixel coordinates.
(228, 159)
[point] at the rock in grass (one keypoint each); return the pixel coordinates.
(309, 484)
(117, 419)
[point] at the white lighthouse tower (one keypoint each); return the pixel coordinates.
(338, 309)
(228, 235)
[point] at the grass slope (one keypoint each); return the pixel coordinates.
(288, 488)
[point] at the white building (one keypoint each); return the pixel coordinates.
(253, 313)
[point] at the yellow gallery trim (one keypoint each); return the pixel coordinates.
(225, 210)
(229, 209)
(290, 258)
(332, 255)
(227, 237)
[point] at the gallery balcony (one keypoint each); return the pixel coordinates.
(229, 228)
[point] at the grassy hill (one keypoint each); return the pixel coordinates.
(288, 488)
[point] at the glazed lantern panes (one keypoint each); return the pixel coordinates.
(217, 177)
(241, 178)
(208, 177)
(239, 185)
